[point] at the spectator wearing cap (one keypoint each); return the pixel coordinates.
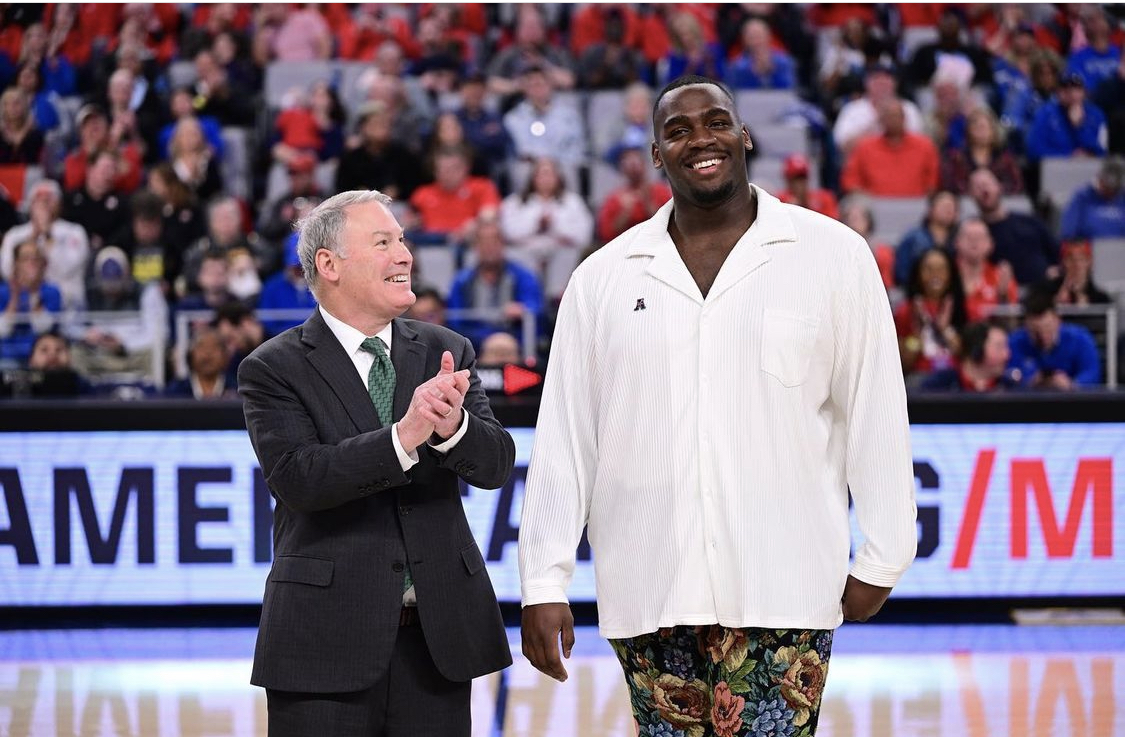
(894, 163)
(1052, 354)
(1075, 285)
(860, 117)
(1096, 61)
(1068, 125)
(1018, 238)
(1097, 210)
(760, 65)
(286, 290)
(447, 208)
(377, 161)
(120, 344)
(797, 190)
(986, 285)
(636, 200)
(101, 209)
(544, 125)
(483, 127)
(950, 42)
(984, 367)
(29, 304)
(62, 242)
(93, 136)
(984, 147)
(936, 230)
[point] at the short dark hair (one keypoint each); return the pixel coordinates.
(233, 312)
(686, 81)
(1038, 302)
(429, 293)
(147, 206)
(974, 338)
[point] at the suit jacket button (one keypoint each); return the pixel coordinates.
(397, 567)
(405, 510)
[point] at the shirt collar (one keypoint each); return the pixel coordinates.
(349, 337)
(772, 225)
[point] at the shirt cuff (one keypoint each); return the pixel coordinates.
(543, 593)
(406, 460)
(448, 445)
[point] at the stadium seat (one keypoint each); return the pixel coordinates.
(235, 164)
(780, 140)
(1062, 176)
(894, 216)
(763, 107)
(282, 76)
(604, 120)
(1012, 203)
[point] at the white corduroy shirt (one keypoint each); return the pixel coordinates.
(710, 443)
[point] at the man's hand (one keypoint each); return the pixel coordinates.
(435, 404)
(543, 627)
(862, 600)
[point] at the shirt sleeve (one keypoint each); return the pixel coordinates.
(560, 476)
(868, 387)
(448, 445)
(406, 460)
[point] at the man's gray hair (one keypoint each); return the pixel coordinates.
(324, 226)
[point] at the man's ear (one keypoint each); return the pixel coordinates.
(327, 265)
(746, 142)
(656, 162)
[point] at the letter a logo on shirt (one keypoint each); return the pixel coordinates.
(640, 304)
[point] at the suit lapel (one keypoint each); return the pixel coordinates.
(336, 368)
(408, 355)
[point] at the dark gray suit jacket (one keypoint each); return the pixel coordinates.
(347, 517)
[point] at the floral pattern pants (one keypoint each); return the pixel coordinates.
(714, 681)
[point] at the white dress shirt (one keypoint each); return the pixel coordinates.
(709, 443)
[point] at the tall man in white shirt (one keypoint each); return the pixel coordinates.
(378, 611)
(721, 375)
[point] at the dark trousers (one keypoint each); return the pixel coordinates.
(412, 700)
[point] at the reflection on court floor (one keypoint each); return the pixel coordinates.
(928, 681)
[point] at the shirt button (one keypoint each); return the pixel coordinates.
(397, 567)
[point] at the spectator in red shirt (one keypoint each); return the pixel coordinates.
(633, 202)
(896, 163)
(797, 191)
(986, 285)
(448, 208)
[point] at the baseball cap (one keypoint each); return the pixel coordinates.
(87, 110)
(796, 165)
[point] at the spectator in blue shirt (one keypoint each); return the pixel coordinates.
(936, 230)
(1068, 125)
(1097, 210)
(28, 305)
(1097, 61)
(1022, 103)
(497, 284)
(484, 128)
(1051, 354)
(760, 65)
(286, 290)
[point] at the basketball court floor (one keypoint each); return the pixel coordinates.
(883, 681)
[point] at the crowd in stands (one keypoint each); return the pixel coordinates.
(154, 157)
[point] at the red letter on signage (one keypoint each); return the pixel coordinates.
(1030, 476)
(978, 490)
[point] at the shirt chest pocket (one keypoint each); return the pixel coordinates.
(788, 341)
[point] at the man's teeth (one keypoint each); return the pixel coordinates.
(702, 164)
(400, 279)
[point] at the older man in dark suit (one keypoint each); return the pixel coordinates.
(378, 610)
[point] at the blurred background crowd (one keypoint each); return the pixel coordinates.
(154, 157)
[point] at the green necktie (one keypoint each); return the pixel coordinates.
(381, 387)
(380, 379)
